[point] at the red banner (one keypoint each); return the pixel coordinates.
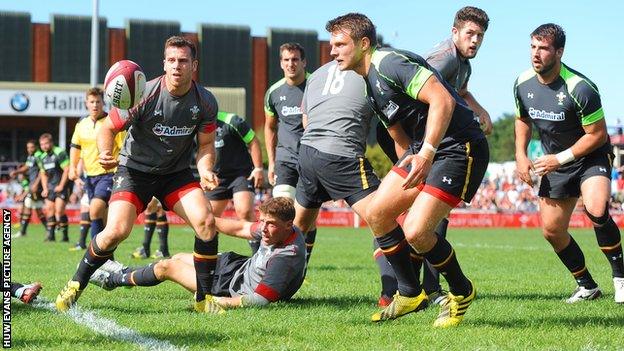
(346, 218)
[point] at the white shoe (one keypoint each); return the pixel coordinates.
(100, 278)
(582, 294)
(618, 284)
(111, 266)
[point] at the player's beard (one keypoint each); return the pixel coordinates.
(545, 68)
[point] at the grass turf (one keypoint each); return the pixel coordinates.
(521, 287)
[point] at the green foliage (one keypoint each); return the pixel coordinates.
(521, 287)
(502, 147)
(378, 159)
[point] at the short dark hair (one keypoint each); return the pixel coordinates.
(471, 14)
(292, 46)
(46, 136)
(31, 141)
(358, 25)
(181, 42)
(279, 207)
(95, 91)
(552, 31)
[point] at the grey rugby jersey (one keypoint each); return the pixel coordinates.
(284, 102)
(452, 67)
(162, 127)
(339, 114)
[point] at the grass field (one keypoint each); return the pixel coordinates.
(520, 282)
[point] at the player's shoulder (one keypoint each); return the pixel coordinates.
(58, 150)
(525, 77)
(229, 118)
(205, 95)
(390, 55)
(444, 50)
(275, 86)
(576, 82)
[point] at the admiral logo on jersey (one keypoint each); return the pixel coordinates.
(549, 116)
(161, 130)
(291, 110)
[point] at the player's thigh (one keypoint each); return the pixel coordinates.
(218, 206)
(152, 206)
(59, 206)
(360, 206)
(194, 208)
(97, 208)
(596, 194)
(389, 202)
(555, 214)
(243, 204)
(423, 217)
(119, 223)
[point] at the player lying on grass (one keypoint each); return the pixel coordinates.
(275, 272)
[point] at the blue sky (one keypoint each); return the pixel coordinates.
(594, 46)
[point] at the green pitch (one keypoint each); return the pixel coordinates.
(521, 287)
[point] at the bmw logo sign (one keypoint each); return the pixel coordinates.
(20, 102)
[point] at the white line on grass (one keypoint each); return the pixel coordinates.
(109, 328)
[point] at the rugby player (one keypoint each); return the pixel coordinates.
(564, 105)
(444, 163)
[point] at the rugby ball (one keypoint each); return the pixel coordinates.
(124, 84)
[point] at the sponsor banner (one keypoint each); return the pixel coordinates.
(342, 218)
(43, 103)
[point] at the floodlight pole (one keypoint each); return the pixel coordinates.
(94, 44)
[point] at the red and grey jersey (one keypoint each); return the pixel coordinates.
(394, 80)
(283, 101)
(273, 272)
(162, 127)
(560, 109)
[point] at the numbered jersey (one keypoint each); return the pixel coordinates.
(338, 113)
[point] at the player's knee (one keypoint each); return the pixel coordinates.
(597, 214)
(205, 228)
(162, 269)
(116, 232)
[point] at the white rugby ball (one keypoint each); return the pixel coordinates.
(124, 84)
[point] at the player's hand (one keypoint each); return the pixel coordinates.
(44, 193)
(486, 123)
(546, 164)
(420, 168)
(271, 175)
(107, 161)
(58, 188)
(12, 174)
(208, 180)
(524, 167)
(73, 173)
(258, 177)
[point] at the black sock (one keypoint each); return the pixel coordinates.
(85, 223)
(389, 283)
(93, 258)
(63, 224)
(397, 252)
(431, 276)
(142, 276)
(24, 220)
(148, 231)
(310, 238)
(609, 240)
(442, 257)
(205, 261)
(162, 227)
(574, 260)
(42, 219)
(14, 288)
(51, 227)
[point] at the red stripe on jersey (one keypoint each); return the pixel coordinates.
(450, 199)
(267, 292)
(173, 197)
(209, 128)
(130, 197)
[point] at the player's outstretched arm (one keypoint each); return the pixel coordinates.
(234, 227)
(484, 117)
(256, 157)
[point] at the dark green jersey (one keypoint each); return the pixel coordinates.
(231, 140)
(53, 163)
(394, 80)
(33, 166)
(283, 101)
(560, 109)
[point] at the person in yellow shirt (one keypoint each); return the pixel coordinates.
(98, 182)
